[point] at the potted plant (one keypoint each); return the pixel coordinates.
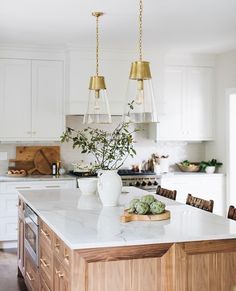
(210, 166)
(110, 150)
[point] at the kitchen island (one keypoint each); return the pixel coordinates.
(84, 247)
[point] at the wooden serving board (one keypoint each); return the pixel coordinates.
(127, 217)
(25, 158)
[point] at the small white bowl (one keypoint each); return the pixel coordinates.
(88, 186)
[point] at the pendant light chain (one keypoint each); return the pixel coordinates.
(97, 46)
(140, 30)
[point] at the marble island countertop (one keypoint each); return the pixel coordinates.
(81, 222)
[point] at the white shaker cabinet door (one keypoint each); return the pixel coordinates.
(47, 99)
(172, 120)
(200, 103)
(15, 99)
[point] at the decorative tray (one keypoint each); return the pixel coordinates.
(127, 217)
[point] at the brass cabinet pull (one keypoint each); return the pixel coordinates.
(44, 233)
(23, 187)
(44, 263)
(60, 275)
(29, 276)
(57, 246)
(53, 186)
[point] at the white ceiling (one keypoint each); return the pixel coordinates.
(185, 25)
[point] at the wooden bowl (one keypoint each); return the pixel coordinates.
(190, 168)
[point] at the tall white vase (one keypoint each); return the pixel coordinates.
(109, 187)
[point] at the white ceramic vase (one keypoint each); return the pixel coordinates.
(109, 187)
(210, 169)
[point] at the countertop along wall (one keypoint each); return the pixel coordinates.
(177, 151)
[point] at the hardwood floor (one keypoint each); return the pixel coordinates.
(8, 272)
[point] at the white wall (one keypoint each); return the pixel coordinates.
(225, 78)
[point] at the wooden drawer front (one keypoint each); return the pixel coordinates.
(62, 252)
(45, 233)
(8, 205)
(43, 285)
(31, 274)
(60, 277)
(46, 264)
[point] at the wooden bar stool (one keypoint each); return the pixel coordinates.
(171, 194)
(206, 205)
(232, 212)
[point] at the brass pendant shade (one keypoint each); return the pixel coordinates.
(140, 104)
(97, 83)
(98, 110)
(140, 70)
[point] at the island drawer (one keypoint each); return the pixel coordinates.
(31, 274)
(61, 277)
(45, 234)
(43, 285)
(63, 252)
(46, 264)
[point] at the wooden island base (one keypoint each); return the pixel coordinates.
(191, 266)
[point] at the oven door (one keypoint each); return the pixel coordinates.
(31, 239)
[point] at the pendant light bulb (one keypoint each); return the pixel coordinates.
(140, 90)
(98, 110)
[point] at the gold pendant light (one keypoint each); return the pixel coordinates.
(140, 96)
(98, 110)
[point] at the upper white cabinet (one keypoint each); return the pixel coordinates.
(81, 65)
(31, 100)
(187, 105)
(15, 98)
(47, 99)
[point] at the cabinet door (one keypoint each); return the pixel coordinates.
(199, 103)
(172, 120)
(47, 99)
(15, 99)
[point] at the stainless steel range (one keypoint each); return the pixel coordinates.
(145, 180)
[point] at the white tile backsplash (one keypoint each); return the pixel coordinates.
(177, 151)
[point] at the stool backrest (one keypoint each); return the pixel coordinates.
(171, 194)
(203, 204)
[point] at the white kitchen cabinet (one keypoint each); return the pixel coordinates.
(15, 98)
(31, 100)
(187, 112)
(206, 186)
(81, 65)
(9, 199)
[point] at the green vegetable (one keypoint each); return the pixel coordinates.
(133, 203)
(149, 199)
(131, 210)
(142, 208)
(185, 163)
(157, 207)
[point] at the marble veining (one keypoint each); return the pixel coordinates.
(81, 221)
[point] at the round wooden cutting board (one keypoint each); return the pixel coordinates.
(127, 217)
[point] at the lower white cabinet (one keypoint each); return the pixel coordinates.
(205, 186)
(9, 199)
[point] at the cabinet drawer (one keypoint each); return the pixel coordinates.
(43, 285)
(46, 264)
(62, 252)
(8, 205)
(45, 234)
(61, 278)
(15, 187)
(31, 274)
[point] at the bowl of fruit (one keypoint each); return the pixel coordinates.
(187, 166)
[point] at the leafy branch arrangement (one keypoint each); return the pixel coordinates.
(110, 149)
